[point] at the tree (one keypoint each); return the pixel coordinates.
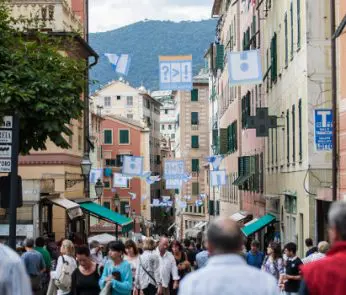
(40, 83)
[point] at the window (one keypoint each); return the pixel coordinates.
(111, 162)
(245, 108)
(195, 165)
(292, 27)
(173, 136)
(300, 129)
(118, 97)
(286, 41)
(169, 127)
(124, 136)
(120, 158)
(195, 188)
(288, 136)
(294, 133)
(298, 24)
(246, 39)
(107, 101)
(124, 206)
(107, 205)
(195, 141)
(273, 58)
(194, 118)
(162, 127)
(232, 137)
(108, 136)
(129, 116)
(194, 95)
(107, 184)
(129, 100)
(166, 112)
(158, 159)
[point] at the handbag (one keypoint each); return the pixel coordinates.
(65, 280)
(147, 272)
(107, 289)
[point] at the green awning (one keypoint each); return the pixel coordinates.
(241, 179)
(108, 215)
(258, 225)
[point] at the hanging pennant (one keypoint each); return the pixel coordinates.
(120, 180)
(133, 196)
(95, 174)
(218, 178)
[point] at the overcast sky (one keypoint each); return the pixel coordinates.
(107, 15)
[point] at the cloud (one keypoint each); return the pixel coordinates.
(111, 14)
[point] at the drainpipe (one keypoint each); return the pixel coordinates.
(334, 100)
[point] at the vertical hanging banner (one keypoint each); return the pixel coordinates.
(95, 174)
(175, 72)
(323, 129)
(218, 178)
(174, 169)
(245, 67)
(132, 166)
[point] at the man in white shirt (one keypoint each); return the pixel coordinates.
(168, 267)
(226, 272)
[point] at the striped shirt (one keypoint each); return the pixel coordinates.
(13, 277)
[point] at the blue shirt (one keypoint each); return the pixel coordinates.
(34, 262)
(228, 275)
(123, 287)
(254, 259)
(202, 258)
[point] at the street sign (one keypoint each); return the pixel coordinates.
(5, 136)
(323, 129)
(6, 122)
(5, 165)
(5, 151)
(174, 169)
(245, 67)
(175, 72)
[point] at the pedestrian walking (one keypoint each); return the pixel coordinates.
(85, 278)
(290, 281)
(62, 276)
(327, 275)
(273, 262)
(311, 248)
(202, 257)
(13, 275)
(45, 276)
(182, 263)
(227, 272)
(147, 277)
(96, 252)
(323, 248)
(132, 256)
(117, 272)
(168, 267)
(191, 253)
(254, 257)
(34, 265)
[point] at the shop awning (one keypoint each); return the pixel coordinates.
(108, 215)
(238, 216)
(254, 227)
(73, 209)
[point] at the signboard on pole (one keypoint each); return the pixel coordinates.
(323, 129)
(175, 72)
(5, 165)
(5, 136)
(6, 123)
(5, 151)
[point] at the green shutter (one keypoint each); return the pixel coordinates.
(195, 165)
(286, 40)
(194, 141)
(107, 135)
(220, 51)
(241, 166)
(194, 95)
(229, 135)
(223, 141)
(292, 28)
(216, 141)
(211, 207)
(273, 54)
(257, 174)
(124, 136)
(217, 208)
(298, 23)
(235, 135)
(194, 118)
(195, 188)
(122, 207)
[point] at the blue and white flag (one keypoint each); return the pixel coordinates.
(215, 161)
(95, 174)
(187, 177)
(120, 64)
(152, 179)
(218, 177)
(199, 203)
(132, 166)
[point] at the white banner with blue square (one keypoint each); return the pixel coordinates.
(132, 166)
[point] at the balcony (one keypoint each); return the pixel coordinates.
(194, 127)
(49, 15)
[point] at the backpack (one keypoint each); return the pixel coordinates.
(65, 280)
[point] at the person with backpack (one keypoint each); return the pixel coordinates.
(85, 278)
(273, 262)
(62, 276)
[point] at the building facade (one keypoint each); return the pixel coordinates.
(192, 146)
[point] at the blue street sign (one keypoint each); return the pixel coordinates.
(323, 129)
(175, 72)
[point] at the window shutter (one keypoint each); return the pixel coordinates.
(286, 40)
(298, 23)
(257, 175)
(194, 95)
(292, 28)
(195, 188)
(122, 207)
(124, 136)
(223, 141)
(195, 165)
(194, 118)
(220, 51)
(235, 135)
(108, 136)
(229, 135)
(211, 207)
(194, 141)
(217, 207)
(273, 52)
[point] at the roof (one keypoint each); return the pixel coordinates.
(152, 98)
(202, 77)
(126, 121)
(256, 226)
(160, 93)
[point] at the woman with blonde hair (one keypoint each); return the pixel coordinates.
(147, 276)
(62, 276)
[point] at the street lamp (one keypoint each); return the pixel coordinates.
(99, 188)
(117, 202)
(86, 165)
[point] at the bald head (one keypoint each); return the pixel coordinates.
(163, 245)
(224, 236)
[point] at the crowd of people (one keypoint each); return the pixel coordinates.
(169, 267)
